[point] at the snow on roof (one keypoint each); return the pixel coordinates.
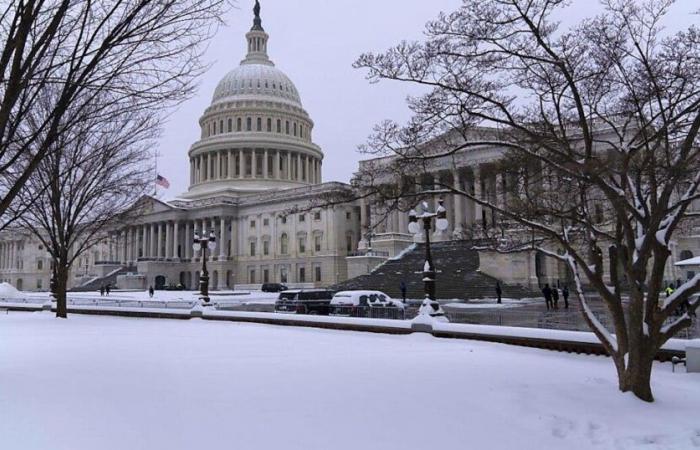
(689, 262)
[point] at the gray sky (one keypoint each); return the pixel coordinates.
(315, 43)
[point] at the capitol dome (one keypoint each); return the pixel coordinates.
(258, 81)
(255, 136)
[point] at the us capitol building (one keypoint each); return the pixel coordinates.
(254, 161)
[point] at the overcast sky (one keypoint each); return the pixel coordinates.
(315, 43)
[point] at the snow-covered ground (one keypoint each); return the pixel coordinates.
(491, 303)
(234, 297)
(116, 383)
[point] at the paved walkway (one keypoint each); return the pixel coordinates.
(535, 315)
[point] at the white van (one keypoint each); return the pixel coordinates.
(360, 303)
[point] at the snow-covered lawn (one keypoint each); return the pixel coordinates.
(116, 383)
(233, 297)
(492, 303)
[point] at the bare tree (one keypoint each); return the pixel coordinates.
(599, 128)
(89, 182)
(143, 55)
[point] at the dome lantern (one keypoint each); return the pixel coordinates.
(257, 41)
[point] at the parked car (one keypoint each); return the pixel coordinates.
(361, 303)
(273, 287)
(304, 301)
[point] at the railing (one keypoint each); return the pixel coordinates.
(371, 312)
(378, 253)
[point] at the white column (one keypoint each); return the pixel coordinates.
(220, 168)
(363, 224)
(233, 237)
(309, 170)
(253, 163)
(222, 238)
(276, 164)
(265, 164)
(289, 165)
(187, 246)
(231, 164)
(168, 240)
(458, 204)
(477, 193)
(297, 170)
(176, 239)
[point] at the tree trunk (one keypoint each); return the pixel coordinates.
(61, 291)
(636, 376)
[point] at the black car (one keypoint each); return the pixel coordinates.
(273, 287)
(304, 301)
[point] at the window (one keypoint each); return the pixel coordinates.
(266, 275)
(279, 126)
(266, 248)
(266, 222)
(249, 124)
(283, 275)
(239, 124)
(252, 248)
(295, 128)
(40, 265)
(221, 126)
(252, 224)
(301, 131)
(286, 127)
(302, 274)
(39, 283)
(259, 124)
(230, 125)
(317, 274)
(283, 219)
(317, 243)
(348, 215)
(302, 245)
(317, 215)
(302, 217)
(284, 244)
(251, 279)
(269, 125)
(348, 243)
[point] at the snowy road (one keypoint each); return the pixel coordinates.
(115, 383)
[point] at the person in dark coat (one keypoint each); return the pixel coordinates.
(547, 292)
(402, 286)
(499, 291)
(555, 297)
(102, 290)
(107, 288)
(150, 291)
(565, 294)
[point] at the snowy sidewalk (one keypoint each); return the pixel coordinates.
(114, 383)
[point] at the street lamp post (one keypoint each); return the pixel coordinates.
(429, 272)
(203, 243)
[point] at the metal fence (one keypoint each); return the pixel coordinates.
(371, 312)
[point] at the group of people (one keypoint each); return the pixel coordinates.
(551, 296)
(104, 290)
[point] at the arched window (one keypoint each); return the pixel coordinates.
(279, 126)
(284, 244)
(295, 128)
(249, 124)
(239, 124)
(221, 126)
(40, 265)
(269, 125)
(259, 123)
(230, 125)
(286, 127)
(301, 131)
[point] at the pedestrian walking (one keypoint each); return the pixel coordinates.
(669, 290)
(402, 286)
(498, 291)
(107, 288)
(565, 294)
(555, 297)
(150, 291)
(547, 292)
(102, 290)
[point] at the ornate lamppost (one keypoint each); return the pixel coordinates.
(203, 243)
(430, 305)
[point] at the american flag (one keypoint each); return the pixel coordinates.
(162, 181)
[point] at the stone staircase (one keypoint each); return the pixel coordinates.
(457, 278)
(109, 279)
